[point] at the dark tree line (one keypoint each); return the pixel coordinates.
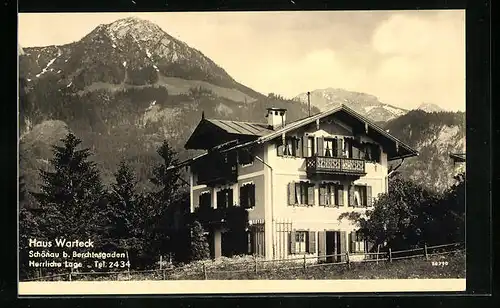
(75, 205)
(410, 215)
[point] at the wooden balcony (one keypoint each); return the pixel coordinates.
(335, 165)
(216, 170)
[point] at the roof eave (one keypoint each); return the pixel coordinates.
(413, 154)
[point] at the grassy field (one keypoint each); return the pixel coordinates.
(243, 268)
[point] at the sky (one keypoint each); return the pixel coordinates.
(405, 58)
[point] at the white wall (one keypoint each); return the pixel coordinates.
(316, 218)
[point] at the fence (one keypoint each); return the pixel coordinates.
(203, 269)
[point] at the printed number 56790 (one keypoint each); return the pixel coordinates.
(439, 263)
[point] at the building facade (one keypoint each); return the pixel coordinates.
(293, 179)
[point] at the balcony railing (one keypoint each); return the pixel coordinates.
(335, 165)
(216, 170)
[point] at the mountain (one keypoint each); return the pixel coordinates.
(434, 135)
(128, 85)
(124, 88)
(429, 107)
(363, 103)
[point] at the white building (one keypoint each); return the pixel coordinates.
(294, 179)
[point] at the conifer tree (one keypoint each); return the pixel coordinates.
(199, 249)
(166, 180)
(71, 197)
(125, 214)
(159, 203)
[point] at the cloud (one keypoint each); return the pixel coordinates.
(403, 57)
(422, 57)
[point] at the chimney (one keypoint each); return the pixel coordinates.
(276, 117)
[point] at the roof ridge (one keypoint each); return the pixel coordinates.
(225, 120)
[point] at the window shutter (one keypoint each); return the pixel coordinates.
(351, 195)
(208, 200)
(376, 153)
(339, 147)
(281, 149)
(321, 144)
(251, 191)
(352, 238)
(322, 195)
(298, 151)
(343, 246)
(312, 242)
(291, 193)
(243, 198)
(292, 242)
(348, 146)
(322, 246)
(340, 195)
(369, 200)
(310, 194)
(230, 198)
(355, 152)
(304, 146)
(219, 199)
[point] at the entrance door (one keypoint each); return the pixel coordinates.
(335, 245)
(332, 245)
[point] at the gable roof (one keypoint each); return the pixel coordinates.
(259, 133)
(210, 133)
(398, 149)
(242, 128)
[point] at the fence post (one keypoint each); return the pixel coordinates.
(128, 265)
(425, 252)
(161, 269)
(204, 271)
(255, 262)
(305, 264)
(347, 259)
(70, 273)
(378, 251)
(390, 255)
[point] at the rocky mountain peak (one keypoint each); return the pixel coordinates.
(429, 107)
(140, 29)
(366, 104)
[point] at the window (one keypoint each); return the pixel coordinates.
(347, 147)
(357, 242)
(310, 146)
(372, 152)
(360, 196)
(300, 193)
(329, 147)
(300, 241)
(247, 195)
(224, 198)
(331, 194)
(357, 150)
(290, 148)
(205, 199)
(245, 157)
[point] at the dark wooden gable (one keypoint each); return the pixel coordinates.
(394, 149)
(208, 135)
(205, 136)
